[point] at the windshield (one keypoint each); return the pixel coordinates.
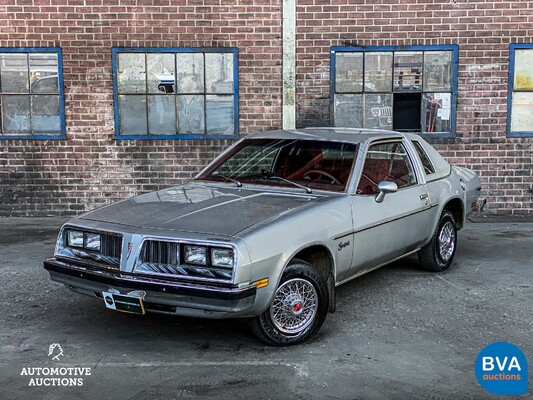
(313, 164)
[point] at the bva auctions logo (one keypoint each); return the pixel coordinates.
(501, 368)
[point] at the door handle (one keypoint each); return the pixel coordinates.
(424, 197)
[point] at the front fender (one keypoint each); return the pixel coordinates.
(273, 244)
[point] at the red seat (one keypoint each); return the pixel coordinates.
(374, 172)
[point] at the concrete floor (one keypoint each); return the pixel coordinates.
(398, 332)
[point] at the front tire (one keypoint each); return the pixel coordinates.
(298, 309)
(438, 254)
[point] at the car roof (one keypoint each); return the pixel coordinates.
(348, 135)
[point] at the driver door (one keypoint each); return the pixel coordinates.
(398, 225)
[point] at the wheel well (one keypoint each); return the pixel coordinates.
(455, 206)
(319, 257)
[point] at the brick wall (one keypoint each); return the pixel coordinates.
(91, 168)
(483, 29)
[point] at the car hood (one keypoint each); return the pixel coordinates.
(199, 208)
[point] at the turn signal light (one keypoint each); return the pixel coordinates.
(261, 283)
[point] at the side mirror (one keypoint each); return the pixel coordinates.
(385, 187)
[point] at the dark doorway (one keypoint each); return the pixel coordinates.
(406, 112)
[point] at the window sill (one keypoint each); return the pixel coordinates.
(519, 134)
(438, 138)
(33, 137)
(177, 137)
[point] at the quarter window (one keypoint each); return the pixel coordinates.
(409, 89)
(31, 94)
(386, 162)
(520, 100)
(175, 93)
(426, 163)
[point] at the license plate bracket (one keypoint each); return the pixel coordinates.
(128, 303)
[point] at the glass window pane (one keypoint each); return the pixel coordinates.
(162, 115)
(45, 114)
(378, 111)
(378, 72)
(219, 73)
(47, 84)
(16, 112)
(348, 110)
(426, 162)
(522, 112)
(402, 172)
(14, 69)
(348, 72)
(190, 72)
(131, 73)
(43, 72)
(219, 115)
(132, 113)
(523, 69)
(160, 73)
(436, 112)
(408, 70)
(437, 71)
(191, 115)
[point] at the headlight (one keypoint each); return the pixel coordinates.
(92, 241)
(222, 258)
(195, 255)
(74, 238)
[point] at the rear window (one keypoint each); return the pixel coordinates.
(426, 162)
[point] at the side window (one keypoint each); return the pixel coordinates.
(176, 93)
(407, 89)
(31, 94)
(428, 167)
(386, 162)
(520, 97)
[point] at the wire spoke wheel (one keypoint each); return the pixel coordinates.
(446, 241)
(297, 309)
(437, 255)
(294, 307)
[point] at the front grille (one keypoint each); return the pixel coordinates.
(160, 252)
(163, 258)
(111, 245)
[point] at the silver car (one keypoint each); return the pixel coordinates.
(270, 228)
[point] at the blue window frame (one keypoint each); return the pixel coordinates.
(404, 88)
(31, 93)
(520, 94)
(176, 93)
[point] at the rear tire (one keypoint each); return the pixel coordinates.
(298, 309)
(438, 254)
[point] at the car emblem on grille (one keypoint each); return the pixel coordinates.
(130, 246)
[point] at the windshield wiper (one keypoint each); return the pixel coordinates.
(269, 175)
(239, 184)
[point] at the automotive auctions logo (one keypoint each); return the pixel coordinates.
(55, 376)
(501, 368)
(53, 347)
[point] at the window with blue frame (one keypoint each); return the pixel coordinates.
(177, 93)
(31, 93)
(408, 88)
(520, 97)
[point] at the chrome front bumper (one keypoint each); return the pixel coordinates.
(161, 295)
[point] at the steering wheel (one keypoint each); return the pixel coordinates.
(323, 173)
